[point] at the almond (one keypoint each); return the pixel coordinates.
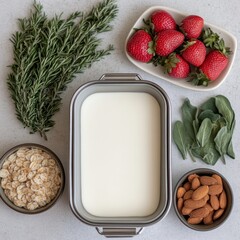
(187, 186)
(218, 178)
(206, 198)
(192, 220)
(180, 192)
(192, 176)
(214, 202)
(199, 213)
(218, 213)
(207, 180)
(223, 199)
(215, 189)
(195, 183)
(193, 204)
(200, 192)
(209, 207)
(180, 204)
(208, 219)
(186, 211)
(188, 194)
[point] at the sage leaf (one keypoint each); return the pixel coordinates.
(188, 115)
(211, 155)
(197, 152)
(208, 153)
(230, 151)
(195, 126)
(224, 107)
(180, 138)
(208, 114)
(209, 105)
(221, 122)
(204, 132)
(222, 140)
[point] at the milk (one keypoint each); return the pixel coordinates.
(120, 154)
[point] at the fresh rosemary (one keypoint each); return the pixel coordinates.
(48, 53)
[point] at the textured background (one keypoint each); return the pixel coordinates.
(59, 222)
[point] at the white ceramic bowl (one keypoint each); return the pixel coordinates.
(230, 41)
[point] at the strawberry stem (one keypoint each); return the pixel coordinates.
(170, 62)
(212, 40)
(198, 78)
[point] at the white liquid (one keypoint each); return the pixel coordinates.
(120, 154)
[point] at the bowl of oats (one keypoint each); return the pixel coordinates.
(31, 178)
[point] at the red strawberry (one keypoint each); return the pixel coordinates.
(162, 20)
(194, 52)
(167, 41)
(192, 26)
(214, 64)
(215, 61)
(139, 46)
(176, 66)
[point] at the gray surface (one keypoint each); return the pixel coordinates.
(59, 222)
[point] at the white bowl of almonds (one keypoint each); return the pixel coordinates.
(31, 177)
(203, 199)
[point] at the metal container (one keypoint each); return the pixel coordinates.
(123, 224)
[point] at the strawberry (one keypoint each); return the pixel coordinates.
(139, 46)
(194, 52)
(192, 26)
(161, 20)
(176, 66)
(167, 41)
(214, 64)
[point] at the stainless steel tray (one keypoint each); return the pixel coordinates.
(127, 225)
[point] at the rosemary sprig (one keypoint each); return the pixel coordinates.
(48, 53)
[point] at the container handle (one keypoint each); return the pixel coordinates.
(118, 232)
(121, 76)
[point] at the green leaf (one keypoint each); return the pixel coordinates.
(208, 153)
(224, 107)
(230, 151)
(209, 105)
(221, 122)
(180, 138)
(208, 114)
(204, 132)
(196, 126)
(211, 156)
(188, 115)
(222, 140)
(197, 152)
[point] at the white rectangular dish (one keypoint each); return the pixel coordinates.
(230, 41)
